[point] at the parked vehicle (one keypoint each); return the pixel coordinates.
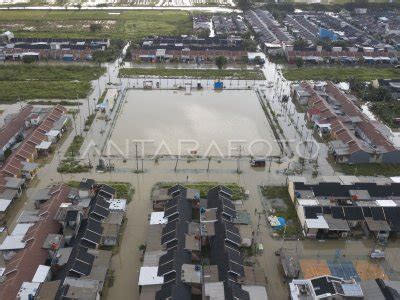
(260, 162)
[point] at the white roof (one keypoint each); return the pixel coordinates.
(4, 204)
(21, 228)
(318, 223)
(386, 203)
(395, 179)
(53, 133)
(2, 270)
(148, 276)
(117, 204)
(308, 202)
(256, 291)
(157, 217)
(43, 145)
(13, 242)
(253, 55)
(214, 290)
(28, 288)
(41, 273)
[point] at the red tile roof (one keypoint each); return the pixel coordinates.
(14, 125)
(26, 261)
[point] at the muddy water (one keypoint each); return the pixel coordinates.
(174, 122)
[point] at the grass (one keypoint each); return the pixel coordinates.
(34, 72)
(27, 82)
(204, 187)
(293, 227)
(386, 111)
(76, 24)
(89, 121)
(368, 169)
(194, 73)
(125, 190)
(75, 146)
(340, 73)
(70, 165)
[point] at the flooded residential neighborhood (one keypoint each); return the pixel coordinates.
(227, 150)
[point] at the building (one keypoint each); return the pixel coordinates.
(51, 48)
(23, 256)
(337, 208)
(325, 287)
(189, 49)
(355, 138)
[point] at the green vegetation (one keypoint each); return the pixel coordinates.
(283, 208)
(89, 121)
(380, 100)
(26, 82)
(204, 187)
(368, 169)
(75, 146)
(21, 72)
(125, 190)
(70, 165)
(340, 73)
(95, 24)
(195, 73)
(386, 111)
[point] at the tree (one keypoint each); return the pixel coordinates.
(95, 27)
(299, 62)
(300, 43)
(259, 61)
(221, 62)
(28, 59)
(244, 4)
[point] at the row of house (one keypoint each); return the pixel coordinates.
(354, 137)
(180, 231)
(189, 49)
(56, 251)
(342, 55)
(12, 48)
(24, 137)
(339, 207)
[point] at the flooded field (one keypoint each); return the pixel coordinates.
(228, 123)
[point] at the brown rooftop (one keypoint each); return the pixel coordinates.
(23, 265)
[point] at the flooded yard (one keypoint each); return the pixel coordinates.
(205, 123)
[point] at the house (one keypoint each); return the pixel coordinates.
(86, 187)
(22, 270)
(355, 139)
(70, 217)
(13, 129)
(325, 287)
(338, 208)
(300, 94)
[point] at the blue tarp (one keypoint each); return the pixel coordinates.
(282, 223)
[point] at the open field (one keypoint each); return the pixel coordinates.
(194, 73)
(113, 24)
(340, 73)
(27, 82)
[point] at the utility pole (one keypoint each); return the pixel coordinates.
(136, 154)
(176, 163)
(270, 162)
(239, 157)
(208, 166)
(88, 105)
(59, 162)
